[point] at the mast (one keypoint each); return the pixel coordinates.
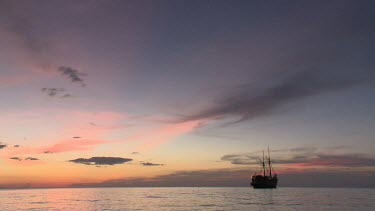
(269, 162)
(264, 166)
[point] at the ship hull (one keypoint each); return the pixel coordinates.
(260, 182)
(264, 186)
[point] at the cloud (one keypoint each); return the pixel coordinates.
(26, 161)
(101, 160)
(16, 145)
(298, 150)
(241, 159)
(66, 96)
(16, 158)
(22, 27)
(234, 177)
(316, 178)
(93, 134)
(304, 157)
(162, 135)
(76, 137)
(72, 74)
(74, 122)
(31, 158)
(151, 164)
(56, 92)
(248, 103)
(346, 160)
(197, 178)
(14, 80)
(52, 92)
(16, 26)
(135, 153)
(3, 145)
(72, 145)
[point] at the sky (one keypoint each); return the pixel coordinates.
(186, 93)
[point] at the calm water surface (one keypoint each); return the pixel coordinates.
(188, 199)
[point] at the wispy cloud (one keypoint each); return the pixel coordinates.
(14, 80)
(72, 74)
(71, 146)
(197, 178)
(241, 159)
(16, 158)
(74, 123)
(248, 103)
(305, 150)
(67, 145)
(150, 164)
(3, 145)
(17, 26)
(66, 96)
(158, 136)
(31, 158)
(20, 159)
(24, 161)
(52, 92)
(304, 157)
(101, 160)
(345, 160)
(239, 177)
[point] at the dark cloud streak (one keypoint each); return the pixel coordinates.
(31, 158)
(247, 104)
(56, 92)
(307, 157)
(198, 178)
(101, 160)
(151, 164)
(18, 25)
(3, 145)
(16, 158)
(52, 92)
(240, 178)
(73, 75)
(66, 96)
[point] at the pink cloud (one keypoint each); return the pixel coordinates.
(68, 145)
(71, 145)
(91, 124)
(78, 123)
(6, 81)
(165, 134)
(74, 123)
(150, 139)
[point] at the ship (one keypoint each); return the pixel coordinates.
(266, 178)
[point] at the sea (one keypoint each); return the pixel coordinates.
(193, 198)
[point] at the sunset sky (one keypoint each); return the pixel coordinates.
(186, 93)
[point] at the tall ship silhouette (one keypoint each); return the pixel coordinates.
(266, 178)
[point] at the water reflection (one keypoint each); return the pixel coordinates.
(188, 199)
